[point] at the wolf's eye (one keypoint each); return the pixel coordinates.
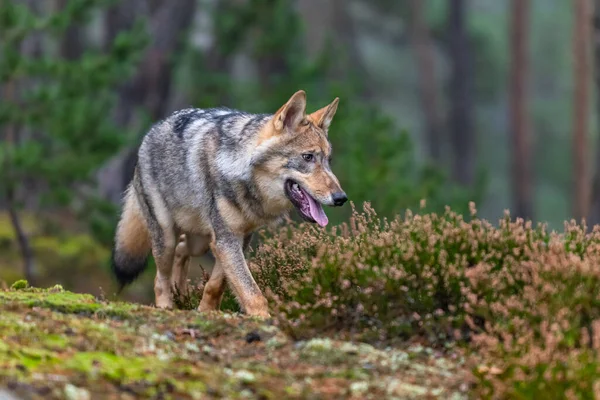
(308, 157)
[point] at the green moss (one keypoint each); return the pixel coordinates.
(20, 284)
(116, 368)
(53, 338)
(56, 342)
(66, 302)
(57, 299)
(326, 352)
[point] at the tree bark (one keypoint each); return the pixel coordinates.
(345, 31)
(71, 44)
(12, 140)
(595, 195)
(425, 58)
(582, 24)
(461, 96)
(150, 88)
(22, 240)
(519, 112)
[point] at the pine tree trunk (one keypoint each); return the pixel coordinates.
(346, 34)
(595, 195)
(23, 241)
(519, 113)
(150, 88)
(461, 96)
(581, 102)
(11, 139)
(423, 49)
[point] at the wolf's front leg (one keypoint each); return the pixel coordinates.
(213, 290)
(215, 287)
(227, 249)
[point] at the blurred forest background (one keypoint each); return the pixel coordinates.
(444, 100)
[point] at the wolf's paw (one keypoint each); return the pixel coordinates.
(207, 307)
(258, 307)
(164, 302)
(259, 314)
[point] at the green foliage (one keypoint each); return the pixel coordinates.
(56, 111)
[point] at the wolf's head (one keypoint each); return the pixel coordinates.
(296, 156)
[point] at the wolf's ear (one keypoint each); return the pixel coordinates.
(323, 117)
(291, 114)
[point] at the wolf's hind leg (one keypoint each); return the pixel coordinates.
(163, 250)
(189, 245)
(181, 266)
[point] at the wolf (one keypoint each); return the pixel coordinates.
(214, 177)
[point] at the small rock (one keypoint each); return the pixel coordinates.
(404, 389)
(358, 388)
(245, 376)
(253, 337)
(5, 395)
(73, 392)
(192, 347)
(276, 342)
(318, 344)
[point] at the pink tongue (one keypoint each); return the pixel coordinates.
(316, 211)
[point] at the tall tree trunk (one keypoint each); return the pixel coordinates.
(461, 96)
(345, 31)
(150, 88)
(423, 48)
(71, 44)
(595, 201)
(12, 140)
(519, 113)
(22, 240)
(582, 24)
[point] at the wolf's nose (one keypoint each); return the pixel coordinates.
(339, 198)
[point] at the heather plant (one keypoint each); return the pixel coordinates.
(543, 342)
(525, 300)
(388, 279)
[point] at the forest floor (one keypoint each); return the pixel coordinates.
(56, 344)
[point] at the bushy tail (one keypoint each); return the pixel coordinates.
(132, 242)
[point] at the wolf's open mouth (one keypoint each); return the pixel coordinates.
(309, 209)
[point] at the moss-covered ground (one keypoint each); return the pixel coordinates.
(58, 344)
